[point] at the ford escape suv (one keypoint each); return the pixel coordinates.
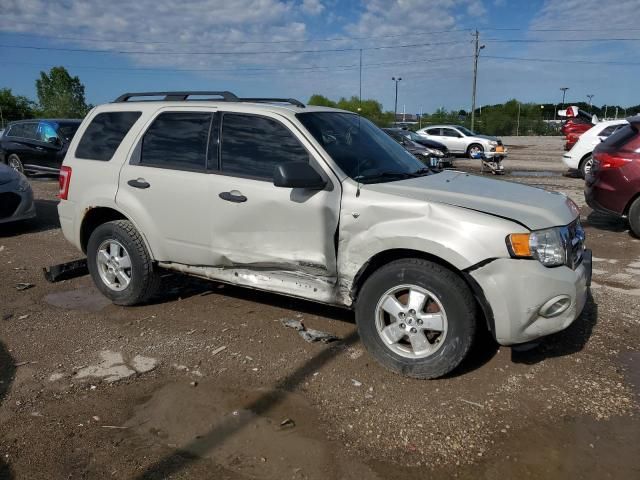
(319, 203)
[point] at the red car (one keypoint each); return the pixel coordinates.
(613, 186)
(579, 122)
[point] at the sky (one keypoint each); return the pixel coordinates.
(295, 48)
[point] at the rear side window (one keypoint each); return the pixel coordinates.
(621, 137)
(177, 140)
(252, 146)
(102, 137)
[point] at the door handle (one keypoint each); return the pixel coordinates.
(233, 196)
(139, 183)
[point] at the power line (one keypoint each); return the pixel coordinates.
(259, 52)
(555, 40)
(563, 60)
(252, 42)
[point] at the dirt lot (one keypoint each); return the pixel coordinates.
(206, 382)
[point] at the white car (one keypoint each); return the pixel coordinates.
(462, 141)
(321, 204)
(579, 157)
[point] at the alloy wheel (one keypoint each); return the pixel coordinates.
(114, 265)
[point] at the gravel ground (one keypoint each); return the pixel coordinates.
(206, 382)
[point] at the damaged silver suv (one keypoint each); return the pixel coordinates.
(320, 204)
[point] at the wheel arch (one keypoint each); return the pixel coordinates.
(631, 201)
(386, 256)
(96, 216)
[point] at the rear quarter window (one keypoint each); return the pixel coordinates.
(104, 134)
(621, 137)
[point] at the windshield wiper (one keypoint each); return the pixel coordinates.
(421, 172)
(383, 176)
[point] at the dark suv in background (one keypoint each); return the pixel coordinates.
(613, 186)
(37, 146)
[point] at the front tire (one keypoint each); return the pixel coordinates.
(474, 148)
(634, 217)
(416, 317)
(14, 162)
(120, 264)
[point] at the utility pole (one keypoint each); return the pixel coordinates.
(590, 97)
(395, 108)
(605, 112)
(477, 49)
(518, 123)
(360, 94)
(420, 118)
(616, 113)
(564, 91)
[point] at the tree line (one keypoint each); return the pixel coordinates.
(59, 96)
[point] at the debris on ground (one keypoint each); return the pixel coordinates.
(218, 350)
(356, 383)
(287, 423)
(24, 286)
(309, 334)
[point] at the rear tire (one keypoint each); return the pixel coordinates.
(585, 166)
(14, 162)
(634, 217)
(120, 264)
(434, 322)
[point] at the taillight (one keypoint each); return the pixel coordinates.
(606, 160)
(64, 180)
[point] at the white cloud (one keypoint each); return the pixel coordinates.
(312, 7)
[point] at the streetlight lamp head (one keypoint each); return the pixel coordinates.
(482, 46)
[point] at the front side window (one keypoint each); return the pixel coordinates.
(252, 146)
(434, 131)
(104, 134)
(177, 140)
(359, 148)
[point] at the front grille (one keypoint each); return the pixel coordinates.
(9, 202)
(573, 237)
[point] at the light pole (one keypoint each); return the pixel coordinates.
(590, 97)
(395, 108)
(1, 118)
(564, 91)
(478, 47)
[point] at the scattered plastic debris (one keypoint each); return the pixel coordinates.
(308, 334)
(24, 286)
(218, 350)
(356, 383)
(287, 423)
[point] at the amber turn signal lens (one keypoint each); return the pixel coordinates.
(520, 244)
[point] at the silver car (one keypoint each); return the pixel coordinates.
(321, 204)
(462, 141)
(16, 196)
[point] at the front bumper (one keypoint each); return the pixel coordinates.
(16, 205)
(516, 290)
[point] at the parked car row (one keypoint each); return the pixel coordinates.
(433, 154)
(578, 122)
(462, 141)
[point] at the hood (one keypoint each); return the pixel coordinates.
(486, 137)
(7, 174)
(431, 144)
(532, 207)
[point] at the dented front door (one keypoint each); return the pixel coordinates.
(261, 227)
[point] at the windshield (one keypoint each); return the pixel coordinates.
(363, 151)
(466, 131)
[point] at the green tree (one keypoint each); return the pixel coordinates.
(370, 109)
(14, 107)
(60, 94)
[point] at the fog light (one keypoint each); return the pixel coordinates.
(555, 306)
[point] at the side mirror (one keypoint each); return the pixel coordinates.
(297, 175)
(54, 141)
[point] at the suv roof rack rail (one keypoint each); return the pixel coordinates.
(292, 101)
(176, 96)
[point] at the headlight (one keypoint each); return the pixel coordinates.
(544, 245)
(493, 143)
(433, 152)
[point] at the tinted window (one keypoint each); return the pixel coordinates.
(102, 137)
(449, 132)
(621, 137)
(252, 146)
(15, 131)
(434, 131)
(66, 131)
(177, 140)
